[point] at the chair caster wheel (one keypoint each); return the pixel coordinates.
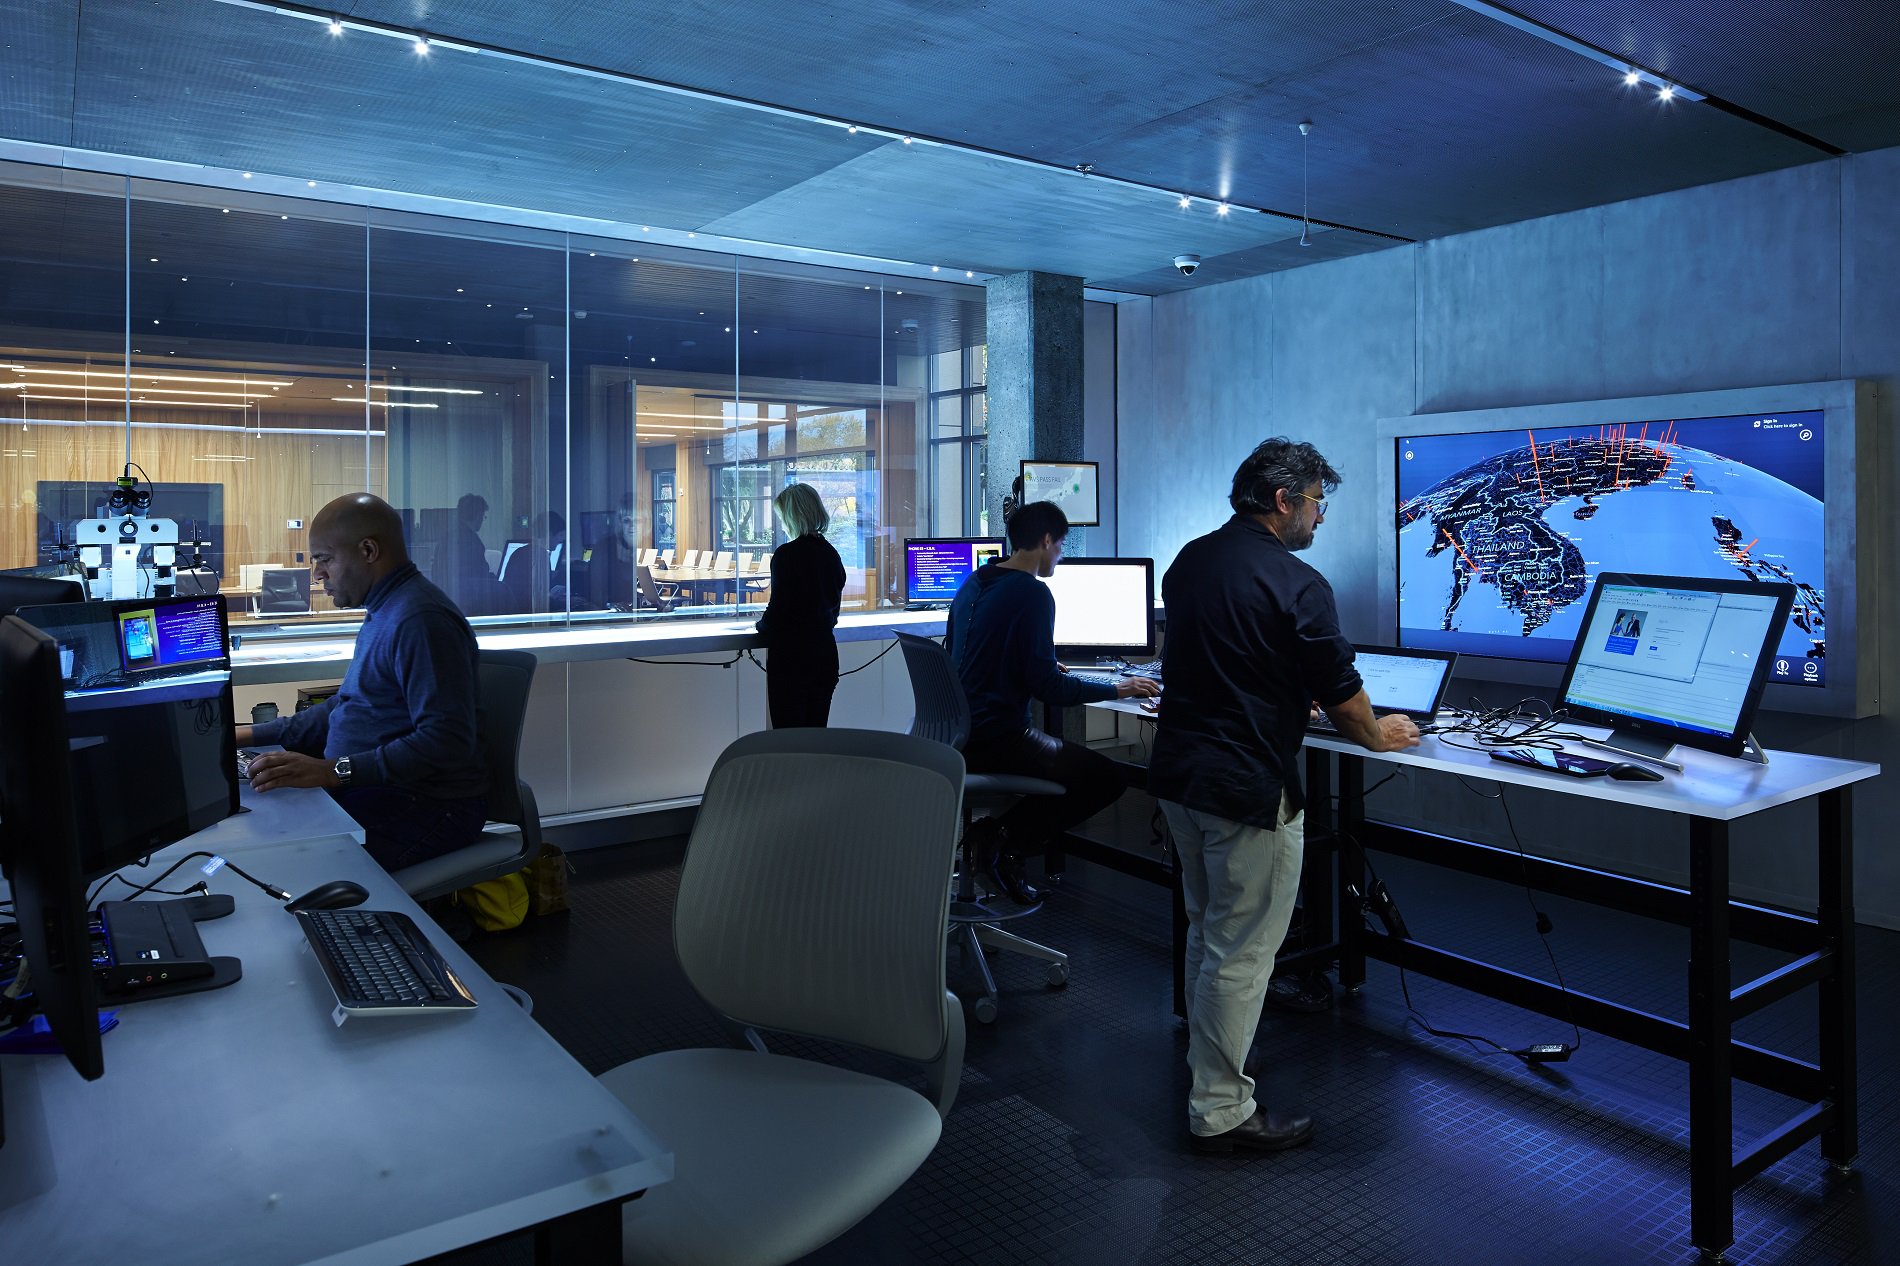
(985, 1010)
(1058, 975)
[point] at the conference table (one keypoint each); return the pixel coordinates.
(1700, 802)
(243, 1125)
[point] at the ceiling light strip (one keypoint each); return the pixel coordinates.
(1667, 89)
(427, 39)
(253, 431)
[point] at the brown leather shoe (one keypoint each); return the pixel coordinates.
(1262, 1132)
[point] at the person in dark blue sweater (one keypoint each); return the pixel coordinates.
(1001, 636)
(396, 745)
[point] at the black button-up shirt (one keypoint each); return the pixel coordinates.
(1252, 642)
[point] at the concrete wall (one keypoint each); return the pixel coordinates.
(1784, 278)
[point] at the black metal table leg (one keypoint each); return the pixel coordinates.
(1711, 1096)
(1352, 871)
(1841, 1142)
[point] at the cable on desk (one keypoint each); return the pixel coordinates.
(93, 897)
(691, 663)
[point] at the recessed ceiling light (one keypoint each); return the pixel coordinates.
(1221, 209)
(1668, 92)
(853, 129)
(422, 47)
(907, 140)
(336, 26)
(1632, 79)
(247, 175)
(1186, 202)
(969, 274)
(933, 268)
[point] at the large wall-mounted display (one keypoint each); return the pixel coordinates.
(1503, 518)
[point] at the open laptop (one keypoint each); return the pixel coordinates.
(1403, 680)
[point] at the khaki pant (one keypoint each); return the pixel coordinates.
(1239, 883)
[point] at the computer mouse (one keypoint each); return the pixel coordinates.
(338, 894)
(1623, 771)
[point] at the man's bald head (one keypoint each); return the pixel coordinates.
(354, 542)
(359, 516)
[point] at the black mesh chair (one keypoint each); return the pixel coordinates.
(943, 714)
(506, 677)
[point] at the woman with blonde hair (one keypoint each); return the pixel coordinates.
(801, 666)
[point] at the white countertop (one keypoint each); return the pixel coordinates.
(259, 662)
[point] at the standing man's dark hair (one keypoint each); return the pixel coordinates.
(1253, 642)
(1278, 464)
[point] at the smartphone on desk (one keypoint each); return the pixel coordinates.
(1557, 762)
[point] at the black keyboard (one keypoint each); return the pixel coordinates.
(1094, 677)
(379, 962)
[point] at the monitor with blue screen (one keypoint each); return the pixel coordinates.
(1500, 533)
(936, 567)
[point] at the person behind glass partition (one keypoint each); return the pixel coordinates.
(464, 562)
(610, 579)
(801, 666)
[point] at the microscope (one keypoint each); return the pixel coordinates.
(111, 545)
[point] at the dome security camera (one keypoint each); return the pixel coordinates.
(1187, 264)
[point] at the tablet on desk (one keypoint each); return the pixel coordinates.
(1557, 762)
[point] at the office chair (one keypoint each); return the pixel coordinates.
(284, 592)
(506, 677)
(652, 596)
(943, 715)
(811, 902)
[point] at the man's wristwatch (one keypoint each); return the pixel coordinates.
(342, 770)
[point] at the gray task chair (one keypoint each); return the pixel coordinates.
(811, 902)
(506, 677)
(943, 715)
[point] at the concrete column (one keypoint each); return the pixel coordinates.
(1034, 330)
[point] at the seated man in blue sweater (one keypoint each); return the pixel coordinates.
(1001, 636)
(396, 744)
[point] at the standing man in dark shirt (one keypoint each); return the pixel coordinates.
(1001, 636)
(801, 666)
(1253, 643)
(396, 745)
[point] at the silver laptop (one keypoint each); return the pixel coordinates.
(1405, 680)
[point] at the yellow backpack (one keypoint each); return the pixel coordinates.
(495, 905)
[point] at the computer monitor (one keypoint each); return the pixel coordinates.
(1104, 606)
(18, 591)
(508, 556)
(1407, 681)
(935, 567)
(1074, 486)
(39, 842)
(110, 644)
(283, 591)
(1674, 659)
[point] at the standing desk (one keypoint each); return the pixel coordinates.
(1710, 793)
(242, 1125)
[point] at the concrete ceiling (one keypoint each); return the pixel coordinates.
(1430, 118)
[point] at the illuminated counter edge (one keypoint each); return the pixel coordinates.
(276, 662)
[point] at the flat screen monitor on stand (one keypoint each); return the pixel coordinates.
(1105, 607)
(1074, 486)
(1667, 660)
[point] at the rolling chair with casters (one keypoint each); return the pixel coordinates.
(505, 680)
(811, 902)
(943, 715)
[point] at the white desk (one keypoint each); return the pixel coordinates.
(277, 817)
(1709, 794)
(240, 1125)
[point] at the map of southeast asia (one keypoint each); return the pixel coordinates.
(1502, 534)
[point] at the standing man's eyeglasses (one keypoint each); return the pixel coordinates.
(1315, 500)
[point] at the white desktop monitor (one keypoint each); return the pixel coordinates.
(1074, 486)
(1104, 606)
(1674, 659)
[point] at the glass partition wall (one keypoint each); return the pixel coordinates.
(571, 428)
